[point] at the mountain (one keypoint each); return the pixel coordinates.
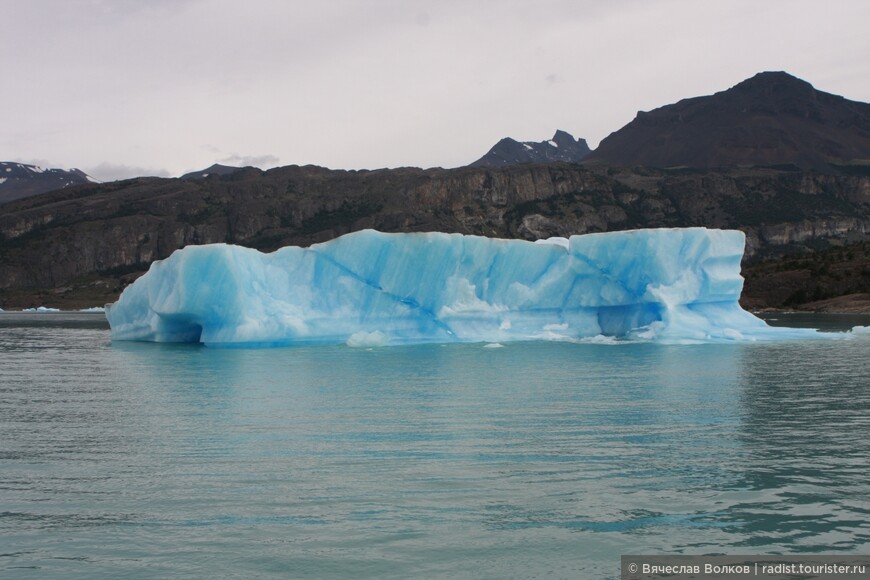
(785, 163)
(81, 245)
(772, 118)
(562, 147)
(19, 180)
(216, 169)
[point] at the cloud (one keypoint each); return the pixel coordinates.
(129, 7)
(261, 161)
(44, 163)
(107, 171)
(382, 83)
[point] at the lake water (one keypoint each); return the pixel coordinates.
(531, 460)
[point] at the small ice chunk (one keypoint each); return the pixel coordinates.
(367, 339)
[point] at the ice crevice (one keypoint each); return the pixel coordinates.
(406, 300)
(664, 285)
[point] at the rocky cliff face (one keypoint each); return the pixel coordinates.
(836, 279)
(88, 241)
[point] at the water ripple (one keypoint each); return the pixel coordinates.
(531, 459)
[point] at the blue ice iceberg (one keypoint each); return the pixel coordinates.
(371, 288)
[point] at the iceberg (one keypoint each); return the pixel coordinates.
(370, 288)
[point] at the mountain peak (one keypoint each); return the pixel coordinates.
(772, 118)
(214, 169)
(561, 148)
(19, 180)
(773, 77)
(774, 83)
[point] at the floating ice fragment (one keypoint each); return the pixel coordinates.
(367, 339)
(370, 288)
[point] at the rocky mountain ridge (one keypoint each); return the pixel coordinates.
(563, 147)
(89, 241)
(20, 180)
(770, 119)
(215, 169)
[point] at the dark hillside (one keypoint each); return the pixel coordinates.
(19, 180)
(772, 118)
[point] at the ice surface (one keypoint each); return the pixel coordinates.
(861, 330)
(564, 242)
(370, 289)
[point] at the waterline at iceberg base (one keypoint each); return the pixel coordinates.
(370, 288)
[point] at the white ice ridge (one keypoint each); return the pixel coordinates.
(370, 288)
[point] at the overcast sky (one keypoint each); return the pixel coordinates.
(121, 88)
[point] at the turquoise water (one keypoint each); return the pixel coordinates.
(531, 460)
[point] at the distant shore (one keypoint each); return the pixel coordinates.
(848, 304)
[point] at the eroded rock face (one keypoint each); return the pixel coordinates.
(112, 232)
(797, 232)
